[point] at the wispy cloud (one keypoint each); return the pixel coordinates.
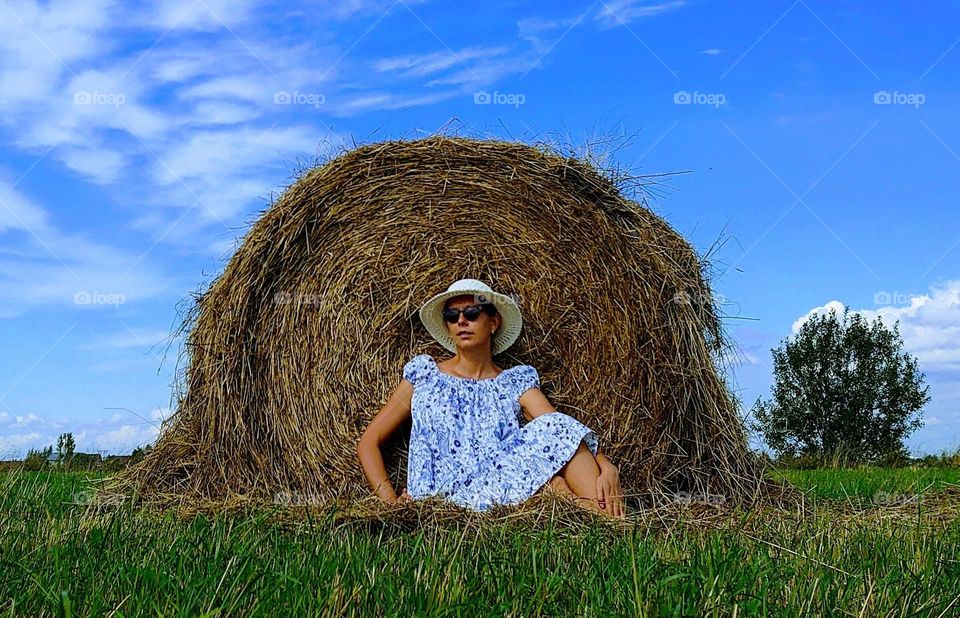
(619, 12)
(542, 33)
(42, 265)
(929, 323)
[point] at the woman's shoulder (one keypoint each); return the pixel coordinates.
(524, 377)
(418, 367)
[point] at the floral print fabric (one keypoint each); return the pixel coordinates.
(466, 442)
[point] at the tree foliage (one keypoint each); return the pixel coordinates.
(842, 385)
(65, 449)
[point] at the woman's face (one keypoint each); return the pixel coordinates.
(469, 334)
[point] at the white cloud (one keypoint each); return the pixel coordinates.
(372, 101)
(42, 265)
(618, 12)
(125, 438)
(15, 445)
(929, 323)
(19, 213)
(418, 65)
(222, 113)
(27, 419)
(159, 104)
(208, 155)
(833, 305)
(198, 14)
(241, 87)
(100, 165)
(347, 9)
(544, 33)
(119, 433)
(221, 172)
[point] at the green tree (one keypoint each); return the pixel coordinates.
(842, 386)
(37, 459)
(65, 449)
(139, 453)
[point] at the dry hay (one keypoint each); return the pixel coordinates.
(299, 342)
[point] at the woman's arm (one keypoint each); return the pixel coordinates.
(534, 403)
(388, 419)
(603, 461)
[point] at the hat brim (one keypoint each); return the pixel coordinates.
(506, 335)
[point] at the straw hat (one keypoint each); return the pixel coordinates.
(506, 333)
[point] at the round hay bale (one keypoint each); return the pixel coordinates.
(299, 342)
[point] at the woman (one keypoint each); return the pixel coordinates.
(466, 442)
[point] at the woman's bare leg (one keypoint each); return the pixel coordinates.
(581, 474)
(559, 486)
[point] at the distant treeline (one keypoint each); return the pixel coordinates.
(840, 459)
(46, 459)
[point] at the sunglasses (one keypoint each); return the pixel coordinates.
(471, 312)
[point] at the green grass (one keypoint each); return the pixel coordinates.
(870, 483)
(137, 564)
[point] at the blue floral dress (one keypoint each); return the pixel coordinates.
(466, 442)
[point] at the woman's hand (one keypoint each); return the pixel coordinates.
(609, 494)
(404, 497)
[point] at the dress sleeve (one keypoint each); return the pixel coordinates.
(416, 368)
(526, 378)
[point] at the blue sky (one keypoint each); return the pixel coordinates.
(820, 141)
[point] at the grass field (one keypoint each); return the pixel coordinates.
(866, 545)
